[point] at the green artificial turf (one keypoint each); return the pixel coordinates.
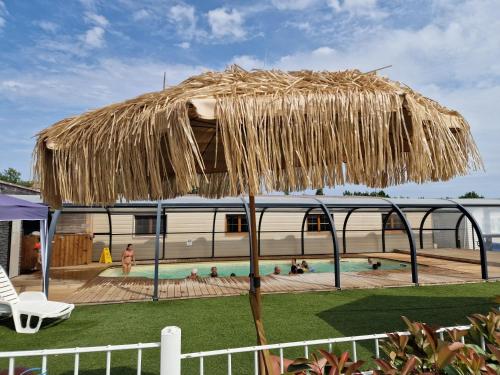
(218, 323)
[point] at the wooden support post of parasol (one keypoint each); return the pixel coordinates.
(265, 365)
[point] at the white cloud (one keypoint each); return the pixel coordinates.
(459, 45)
(184, 45)
(105, 82)
(89, 4)
(3, 14)
(47, 26)
(96, 19)
(182, 12)
(293, 4)
(184, 18)
(226, 23)
(140, 15)
(323, 51)
(67, 47)
(15, 86)
(48, 48)
(248, 62)
(93, 38)
(303, 26)
(358, 8)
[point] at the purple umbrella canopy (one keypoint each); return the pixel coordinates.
(18, 209)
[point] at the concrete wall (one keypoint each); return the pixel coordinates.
(4, 243)
(15, 247)
(189, 235)
(10, 246)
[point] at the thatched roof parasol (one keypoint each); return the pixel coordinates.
(243, 132)
(234, 132)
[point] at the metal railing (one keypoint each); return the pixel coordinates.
(354, 340)
(171, 356)
(108, 349)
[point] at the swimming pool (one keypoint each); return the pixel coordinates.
(242, 268)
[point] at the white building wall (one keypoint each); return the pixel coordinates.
(189, 235)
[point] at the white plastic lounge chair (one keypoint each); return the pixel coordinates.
(28, 309)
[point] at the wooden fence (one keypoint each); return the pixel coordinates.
(71, 250)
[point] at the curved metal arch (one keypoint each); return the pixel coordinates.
(384, 224)
(302, 230)
(165, 230)
(411, 239)
(457, 228)
(459, 221)
(336, 254)
(344, 229)
(421, 227)
(259, 226)
(482, 245)
(213, 232)
(159, 210)
(110, 234)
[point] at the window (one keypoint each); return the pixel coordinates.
(393, 222)
(236, 224)
(317, 223)
(146, 224)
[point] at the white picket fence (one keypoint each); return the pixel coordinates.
(171, 357)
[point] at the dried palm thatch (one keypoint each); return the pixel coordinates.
(233, 132)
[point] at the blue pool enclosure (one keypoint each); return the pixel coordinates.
(482, 215)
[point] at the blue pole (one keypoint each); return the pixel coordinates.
(157, 250)
(50, 240)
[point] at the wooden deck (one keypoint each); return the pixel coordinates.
(463, 256)
(432, 271)
(98, 289)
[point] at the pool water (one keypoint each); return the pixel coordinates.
(242, 268)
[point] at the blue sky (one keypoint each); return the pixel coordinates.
(60, 58)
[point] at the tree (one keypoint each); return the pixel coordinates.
(471, 194)
(14, 177)
(319, 191)
(380, 193)
(11, 175)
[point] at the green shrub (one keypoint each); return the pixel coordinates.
(424, 351)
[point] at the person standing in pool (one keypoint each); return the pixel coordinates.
(277, 270)
(127, 258)
(305, 266)
(193, 275)
(213, 272)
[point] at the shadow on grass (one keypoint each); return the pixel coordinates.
(388, 309)
(47, 323)
(381, 314)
